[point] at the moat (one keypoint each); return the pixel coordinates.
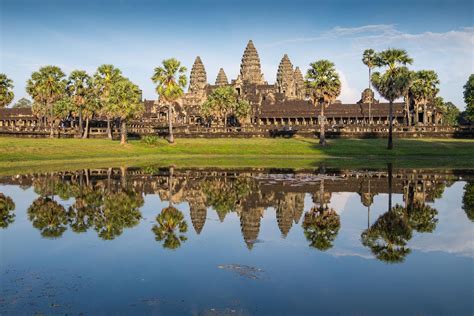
(179, 241)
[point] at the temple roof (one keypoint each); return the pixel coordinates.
(9, 113)
(302, 108)
(198, 77)
(250, 70)
(221, 79)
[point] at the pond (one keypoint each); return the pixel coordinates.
(237, 242)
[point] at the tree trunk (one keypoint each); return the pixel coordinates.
(86, 131)
(425, 117)
(322, 134)
(416, 114)
(123, 132)
(170, 125)
(225, 122)
(80, 132)
(407, 110)
(109, 129)
(51, 123)
(390, 125)
(389, 167)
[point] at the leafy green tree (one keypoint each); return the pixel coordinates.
(47, 86)
(451, 113)
(469, 98)
(125, 103)
(170, 228)
(223, 102)
(7, 206)
(325, 86)
(79, 88)
(392, 83)
(48, 216)
(321, 226)
(424, 89)
(170, 80)
(104, 79)
(468, 200)
(6, 93)
(23, 103)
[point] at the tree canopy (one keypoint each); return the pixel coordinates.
(23, 103)
(223, 102)
(6, 90)
(469, 98)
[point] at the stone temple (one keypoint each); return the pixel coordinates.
(284, 103)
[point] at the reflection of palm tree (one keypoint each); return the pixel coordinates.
(81, 213)
(468, 200)
(422, 218)
(48, 216)
(388, 236)
(170, 228)
(6, 211)
(321, 226)
(120, 210)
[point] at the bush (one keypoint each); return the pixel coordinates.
(150, 140)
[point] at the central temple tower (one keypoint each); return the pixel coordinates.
(250, 71)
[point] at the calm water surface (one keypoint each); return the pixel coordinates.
(222, 242)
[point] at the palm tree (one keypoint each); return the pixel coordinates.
(369, 59)
(391, 83)
(170, 228)
(48, 216)
(223, 102)
(325, 86)
(170, 80)
(79, 86)
(46, 87)
(468, 200)
(105, 78)
(424, 89)
(125, 103)
(6, 93)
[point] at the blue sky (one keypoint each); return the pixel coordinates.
(137, 35)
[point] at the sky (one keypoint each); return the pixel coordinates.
(136, 36)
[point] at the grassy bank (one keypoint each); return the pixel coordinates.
(19, 153)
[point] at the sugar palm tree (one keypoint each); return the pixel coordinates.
(78, 87)
(391, 83)
(46, 87)
(170, 80)
(325, 86)
(424, 89)
(369, 59)
(7, 206)
(6, 93)
(105, 78)
(125, 103)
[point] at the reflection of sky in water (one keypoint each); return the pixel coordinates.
(135, 274)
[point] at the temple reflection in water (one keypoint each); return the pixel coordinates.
(108, 201)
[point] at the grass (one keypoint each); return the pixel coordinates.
(39, 154)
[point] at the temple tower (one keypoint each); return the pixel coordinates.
(221, 79)
(285, 81)
(198, 78)
(250, 70)
(300, 86)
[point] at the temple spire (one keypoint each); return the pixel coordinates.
(250, 70)
(300, 87)
(285, 82)
(198, 78)
(221, 79)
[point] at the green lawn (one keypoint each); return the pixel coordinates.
(255, 152)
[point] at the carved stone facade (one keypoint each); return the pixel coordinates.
(250, 71)
(198, 78)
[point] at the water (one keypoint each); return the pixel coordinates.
(226, 242)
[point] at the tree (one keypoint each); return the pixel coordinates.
(469, 98)
(104, 79)
(424, 89)
(48, 216)
(321, 226)
(223, 102)
(451, 113)
(369, 59)
(7, 206)
(6, 93)
(325, 86)
(170, 228)
(46, 87)
(23, 103)
(391, 84)
(78, 87)
(125, 103)
(170, 80)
